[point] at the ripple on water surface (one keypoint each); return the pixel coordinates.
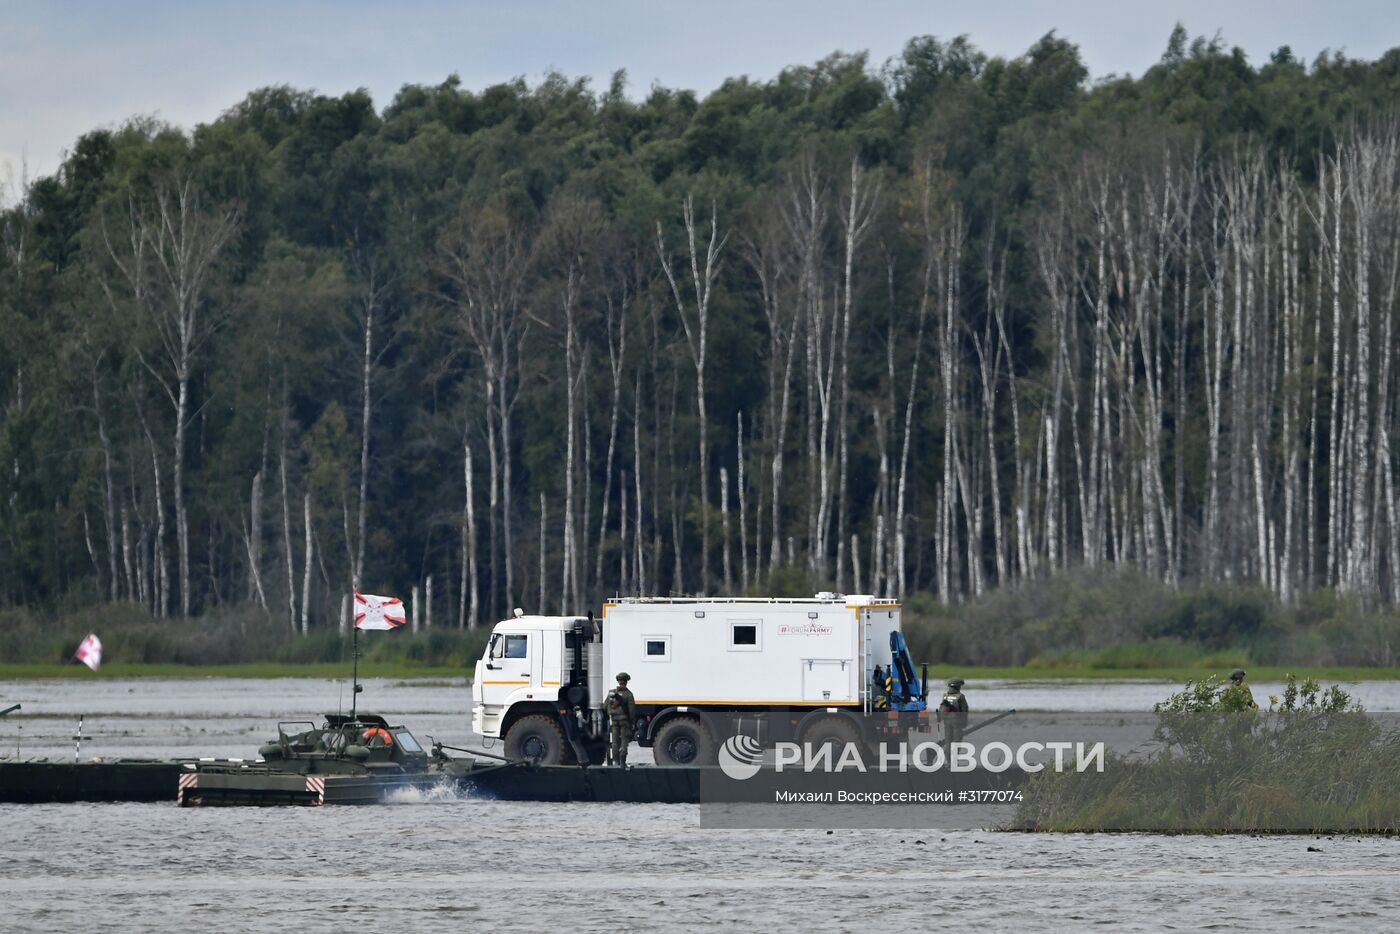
(441, 859)
(600, 866)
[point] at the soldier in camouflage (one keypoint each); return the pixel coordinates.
(622, 712)
(952, 710)
(1237, 696)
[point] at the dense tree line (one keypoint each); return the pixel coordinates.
(942, 325)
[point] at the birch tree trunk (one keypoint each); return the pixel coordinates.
(861, 207)
(743, 513)
(617, 353)
(108, 500)
(544, 569)
(287, 552)
(1049, 255)
(696, 336)
(567, 587)
(167, 260)
(724, 518)
(162, 574)
(370, 304)
(762, 254)
(469, 598)
(255, 538)
(306, 568)
(481, 262)
(640, 565)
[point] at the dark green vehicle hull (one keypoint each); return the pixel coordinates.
(193, 783)
(254, 785)
(233, 784)
(221, 784)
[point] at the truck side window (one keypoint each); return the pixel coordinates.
(743, 634)
(516, 646)
(656, 648)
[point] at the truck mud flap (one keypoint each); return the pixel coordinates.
(571, 733)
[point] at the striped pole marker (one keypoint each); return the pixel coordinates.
(189, 781)
(317, 786)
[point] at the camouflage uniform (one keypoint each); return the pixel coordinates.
(1237, 696)
(953, 712)
(622, 712)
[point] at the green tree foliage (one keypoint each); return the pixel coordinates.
(345, 353)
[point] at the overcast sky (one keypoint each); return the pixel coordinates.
(70, 66)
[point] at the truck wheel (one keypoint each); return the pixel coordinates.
(537, 738)
(836, 732)
(683, 741)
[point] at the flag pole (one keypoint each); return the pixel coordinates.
(355, 673)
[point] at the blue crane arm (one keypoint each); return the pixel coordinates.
(908, 690)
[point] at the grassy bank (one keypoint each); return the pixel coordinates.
(1117, 620)
(319, 670)
(1105, 623)
(245, 642)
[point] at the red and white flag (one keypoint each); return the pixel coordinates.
(90, 652)
(373, 612)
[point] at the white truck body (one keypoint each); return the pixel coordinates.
(748, 652)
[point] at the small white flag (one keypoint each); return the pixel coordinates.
(90, 652)
(373, 612)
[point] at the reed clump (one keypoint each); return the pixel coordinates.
(1312, 761)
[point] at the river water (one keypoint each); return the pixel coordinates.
(462, 863)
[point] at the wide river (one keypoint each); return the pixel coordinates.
(460, 863)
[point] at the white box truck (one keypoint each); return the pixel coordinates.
(702, 669)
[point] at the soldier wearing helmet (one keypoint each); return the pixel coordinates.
(1237, 696)
(952, 711)
(622, 714)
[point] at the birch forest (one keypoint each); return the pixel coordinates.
(932, 327)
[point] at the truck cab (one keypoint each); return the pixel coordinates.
(522, 671)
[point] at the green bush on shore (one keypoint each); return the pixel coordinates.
(1313, 762)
